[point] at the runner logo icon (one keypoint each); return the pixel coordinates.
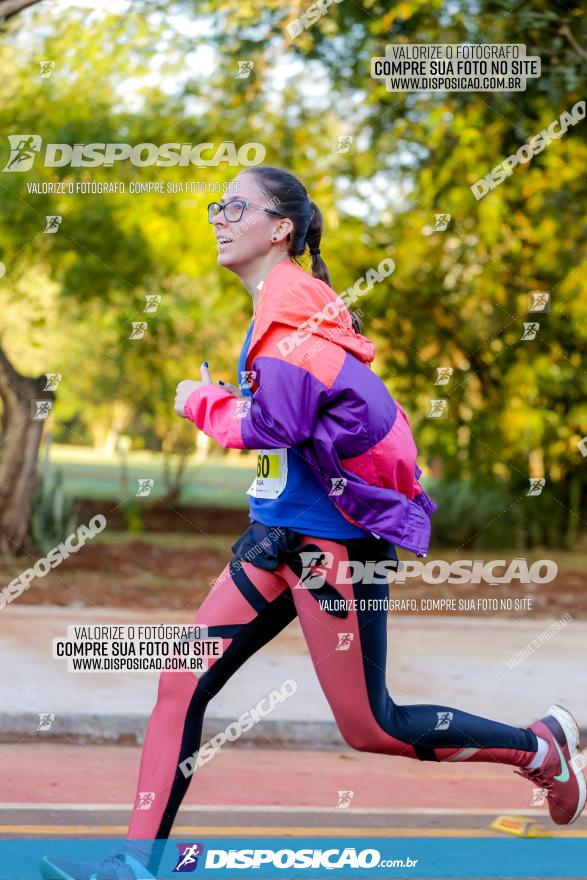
(444, 719)
(344, 641)
(345, 798)
(338, 484)
(46, 719)
(146, 799)
(187, 860)
(539, 796)
(315, 569)
(23, 148)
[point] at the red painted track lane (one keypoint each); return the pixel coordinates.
(291, 778)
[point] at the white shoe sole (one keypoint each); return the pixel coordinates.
(571, 729)
(49, 871)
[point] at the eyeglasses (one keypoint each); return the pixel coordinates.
(234, 210)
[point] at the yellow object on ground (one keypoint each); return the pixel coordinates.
(519, 826)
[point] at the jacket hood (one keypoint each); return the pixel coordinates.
(292, 297)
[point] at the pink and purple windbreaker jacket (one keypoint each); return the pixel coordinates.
(313, 389)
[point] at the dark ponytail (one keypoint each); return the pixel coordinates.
(290, 199)
(313, 236)
(319, 267)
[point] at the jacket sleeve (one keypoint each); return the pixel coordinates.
(282, 412)
(214, 411)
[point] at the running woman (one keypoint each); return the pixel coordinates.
(336, 490)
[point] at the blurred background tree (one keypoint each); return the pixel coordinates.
(162, 72)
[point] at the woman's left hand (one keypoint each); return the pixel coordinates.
(187, 386)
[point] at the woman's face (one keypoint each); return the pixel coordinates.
(246, 239)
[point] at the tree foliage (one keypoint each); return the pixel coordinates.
(459, 298)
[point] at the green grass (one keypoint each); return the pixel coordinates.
(216, 482)
(222, 482)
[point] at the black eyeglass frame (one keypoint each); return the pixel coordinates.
(244, 202)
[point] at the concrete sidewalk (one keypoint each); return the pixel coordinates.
(452, 661)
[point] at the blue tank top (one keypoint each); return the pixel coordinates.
(286, 492)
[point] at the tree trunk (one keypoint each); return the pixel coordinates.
(173, 472)
(19, 448)
(8, 8)
(574, 517)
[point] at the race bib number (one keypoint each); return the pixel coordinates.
(271, 474)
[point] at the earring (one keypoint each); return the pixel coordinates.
(273, 238)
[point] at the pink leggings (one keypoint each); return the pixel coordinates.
(247, 608)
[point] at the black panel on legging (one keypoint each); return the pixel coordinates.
(250, 637)
(416, 725)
